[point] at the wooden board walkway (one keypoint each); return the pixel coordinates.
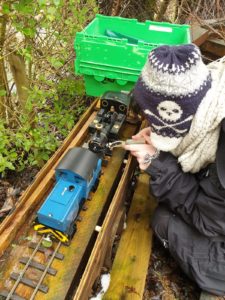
(130, 266)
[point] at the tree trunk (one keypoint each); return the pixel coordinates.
(18, 69)
(151, 8)
(162, 9)
(184, 10)
(3, 80)
(115, 7)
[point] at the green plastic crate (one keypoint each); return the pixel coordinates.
(111, 51)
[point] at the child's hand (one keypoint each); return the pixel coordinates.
(143, 134)
(142, 152)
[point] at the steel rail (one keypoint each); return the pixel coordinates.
(24, 270)
(45, 272)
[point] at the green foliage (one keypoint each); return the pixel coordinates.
(32, 143)
(7, 155)
(47, 29)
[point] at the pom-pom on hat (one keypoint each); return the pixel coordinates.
(170, 89)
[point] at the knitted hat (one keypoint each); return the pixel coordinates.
(172, 84)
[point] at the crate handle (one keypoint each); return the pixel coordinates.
(160, 28)
(99, 78)
(118, 35)
(121, 82)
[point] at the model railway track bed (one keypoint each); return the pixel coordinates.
(42, 276)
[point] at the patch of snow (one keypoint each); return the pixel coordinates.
(105, 280)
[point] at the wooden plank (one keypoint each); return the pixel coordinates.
(42, 184)
(132, 258)
(13, 297)
(199, 35)
(29, 282)
(99, 251)
(43, 250)
(214, 46)
(37, 265)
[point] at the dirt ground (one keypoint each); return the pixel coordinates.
(165, 280)
(11, 188)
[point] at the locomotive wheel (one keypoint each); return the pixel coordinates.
(72, 230)
(95, 186)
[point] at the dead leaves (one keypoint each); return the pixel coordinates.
(8, 196)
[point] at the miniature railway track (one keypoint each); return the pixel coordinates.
(56, 278)
(31, 262)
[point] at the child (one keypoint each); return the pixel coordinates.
(184, 102)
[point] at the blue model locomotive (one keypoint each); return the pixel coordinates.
(79, 171)
(76, 175)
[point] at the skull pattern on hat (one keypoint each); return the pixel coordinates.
(171, 110)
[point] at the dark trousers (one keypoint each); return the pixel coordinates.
(160, 223)
(201, 258)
